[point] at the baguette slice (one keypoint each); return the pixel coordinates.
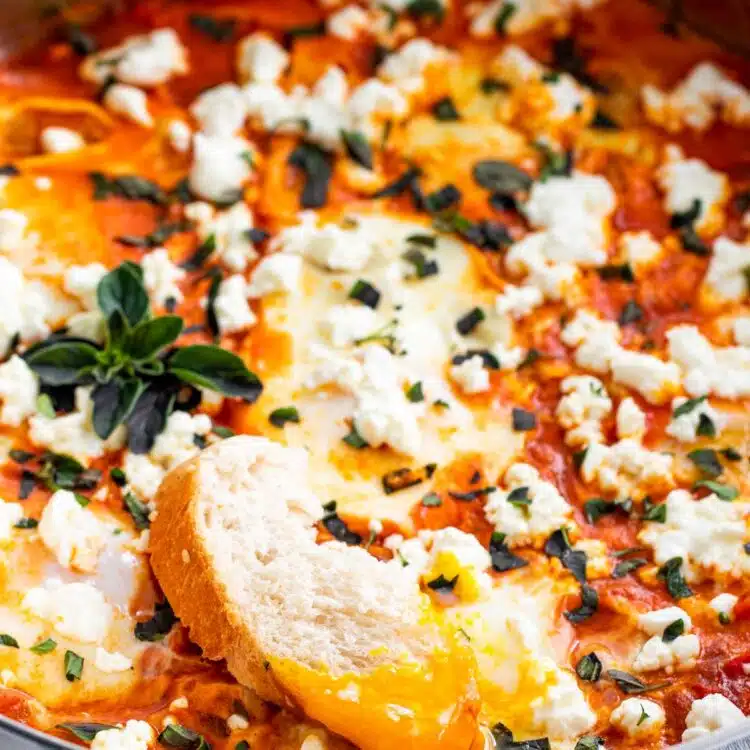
(327, 628)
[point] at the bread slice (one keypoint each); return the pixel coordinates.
(327, 628)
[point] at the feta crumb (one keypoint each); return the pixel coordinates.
(406, 67)
(725, 279)
(13, 225)
(130, 102)
(260, 58)
(72, 533)
(76, 610)
(82, 282)
(109, 662)
(10, 515)
(228, 230)
(687, 426)
(343, 325)
(580, 411)
(221, 110)
(275, 273)
(348, 22)
(56, 140)
(232, 310)
(471, 375)
(160, 277)
(631, 420)
(220, 166)
(680, 653)
(640, 249)
(135, 735)
(723, 604)
(638, 717)
(741, 330)
(179, 135)
(518, 301)
(710, 714)
(19, 389)
(237, 722)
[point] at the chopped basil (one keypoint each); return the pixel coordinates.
(489, 360)
(502, 558)
(504, 15)
(568, 58)
(73, 664)
(44, 406)
(692, 243)
(602, 121)
(722, 491)
(175, 735)
(686, 218)
(644, 715)
(400, 185)
(445, 110)
(467, 497)
(84, 730)
(158, 626)
(687, 406)
(337, 527)
(354, 439)
(673, 630)
(589, 668)
(8, 640)
(492, 85)
(532, 356)
(523, 420)
(724, 618)
(212, 319)
(589, 605)
(415, 393)
(426, 9)
(357, 148)
(731, 454)
(310, 30)
(501, 177)
(126, 187)
(468, 322)
(706, 461)
(558, 545)
(201, 255)
(671, 574)
(26, 523)
(283, 415)
(617, 272)
(118, 476)
(442, 199)
(624, 567)
(597, 507)
(9, 170)
(589, 742)
(443, 585)
(223, 432)
(431, 500)
(422, 266)
(632, 685)
(426, 240)
(44, 647)
(550, 76)
(519, 497)
(156, 238)
(632, 312)
(316, 166)
(27, 484)
(19, 456)
(138, 511)
(366, 293)
(401, 479)
(554, 163)
(217, 29)
(656, 512)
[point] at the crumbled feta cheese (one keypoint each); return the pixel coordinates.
(686, 180)
(110, 662)
(275, 273)
(406, 67)
(348, 22)
(525, 16)
(43, 183)
(598, 561)
(260, 58)
(679, 653)
(724, 604)
(160, 276)
(228, 230)
(82, 282)
(72, 533)
(74, 433)
(130, 102)
(135, 735)
(707, 534)
(343, 325)
(145, 60)
(696, 101)
(176, 443)
(724, 371)
(19, 389)
(237, 722)
(709, 714)
(583, 407)
(657, 621)
(631, 420)
(220, 166)
(57, 140)
(471, 375)
(639, 249)
(13, 225)
(686, 427)
(220, 111)
(638, 717)
(76, 610)
(518, 301)
(330, 246)
(741, 330)
(87, 325)
(179, 135)
(10, 515)
(528, 523)
(563, 712)
(726, 280)
(232, 310)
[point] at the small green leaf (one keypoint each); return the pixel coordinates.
(722, 491)
(84, 730)
(357, 148)
(113, 404)
(138, 510)
(501, 21)
(597, 507)
(354, 439)
(673, 631)
(589, 742)
(687, 406)
(73, 666)
(8, 640)
(707, 462)
(445, 110)
(671, 574)
(628, 566)
(44, 406)
(150, 337)
(44, 647)
(284, 414)
(175, 735)
(122, 290)
(217, 369)
(500, 177)
(61, 361)
(158, 626)
(589, 668)
(653, 511)
(415, 394)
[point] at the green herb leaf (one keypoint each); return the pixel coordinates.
(422, 266)
(673, 630)
(175, 735)
(113, 403)
(632, 312)
(45, 407)
(26, 523)
(589, 742)
(357, 148)
(415, 393)
(337, 527)
(469, 321)
(138, 510)
(158, 626)
(443, 585)
(73, 664)
(501, 21)
(217, 369)
(150, 337)
(500, 177)
(722, 491)
(589, 605)
(122, 290)
(589, 668)
(354, 439)
(523, 420)
(284, 414)
(445, 110)
(597, 507)
(366, 293)
(202, 253)
(8, 640)
(706, 461)
(316, 165)
(618, 272)
(687, 406)
(426, 9)
(653, 511)
(84, 730)
(62, 362)
(44, 647)
(671, 574)
(502, 558)
(628, 566)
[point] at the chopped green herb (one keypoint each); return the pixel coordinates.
(84, 730)
(44, 647)
(632, 312)
(443, 585)
(502, 558)
(8, 640)
(45, 406)
(316, 166)
(357, 148)
(656, 512)
(176, 735)
(283, 415)
(731, 454)
(722, 491)
(502, 18)
(158, 626)
(73, 664)
(26, 523)
(673, 630)
(500, 177)
(467, 497)
(589, 742)
(337, 527)
(354, 439)
(671, 574)
(519, 496)
(310, 30)
(223, 432)
(217, 29)
(365, 293)
(425, 240)
(597, 507)
(589, 668)
(523, 420)
(588, 607)
(493, 85)
(468, 322)
(624, 567)
(617, 272)
(687, 406)
(426, 9)
(401, 479)
(138, 510)
(431, 500)
(445, 110)
(415, 393)
(706, 461)
(117, 475)
(422, 266)
(532, 356)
